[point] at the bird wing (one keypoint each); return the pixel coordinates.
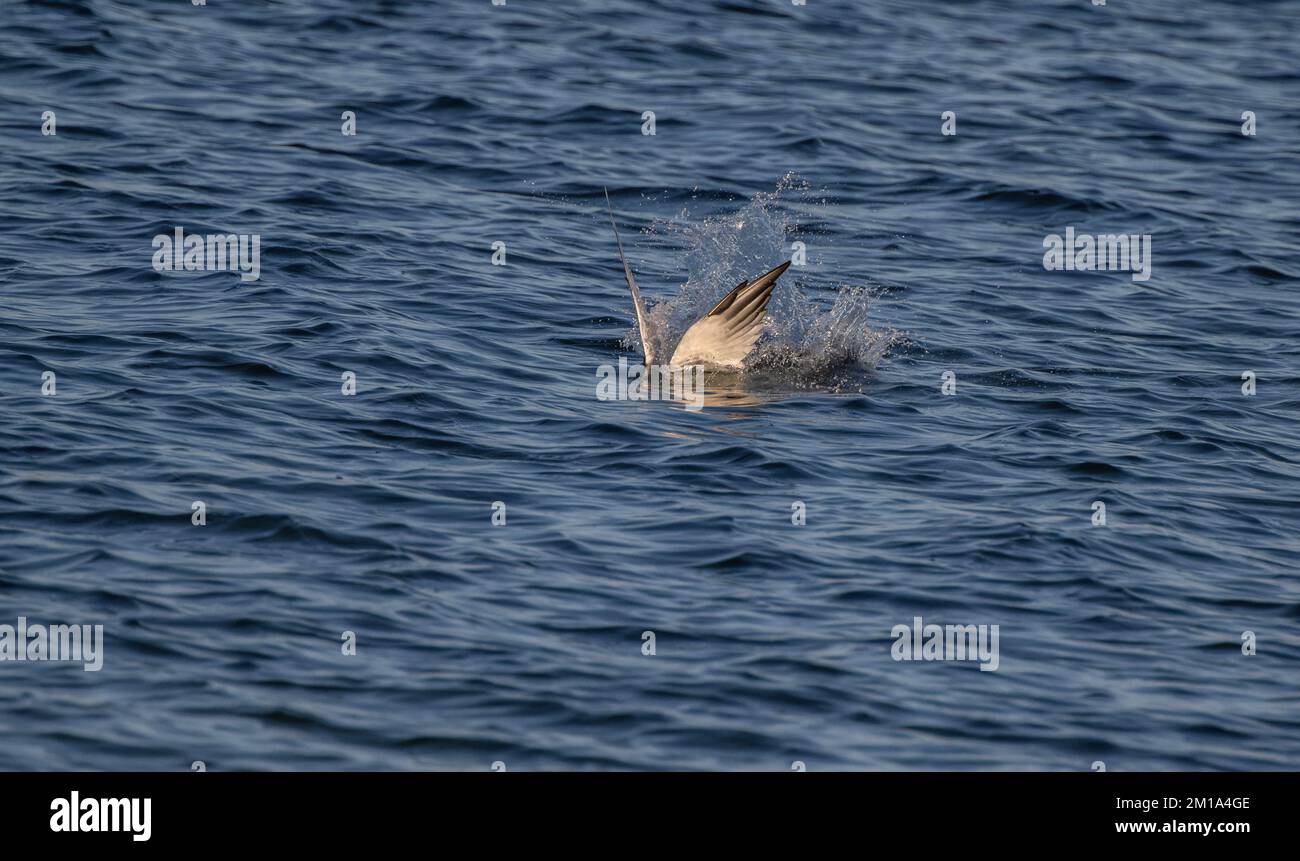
(642, 321)
(726, 334)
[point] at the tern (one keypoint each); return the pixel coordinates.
(721, 338)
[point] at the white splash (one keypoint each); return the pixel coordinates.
(806, 343)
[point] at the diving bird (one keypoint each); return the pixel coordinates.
(721, 338)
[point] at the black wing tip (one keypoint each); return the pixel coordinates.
(768, 282)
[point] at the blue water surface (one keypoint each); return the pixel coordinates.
(523, 643)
